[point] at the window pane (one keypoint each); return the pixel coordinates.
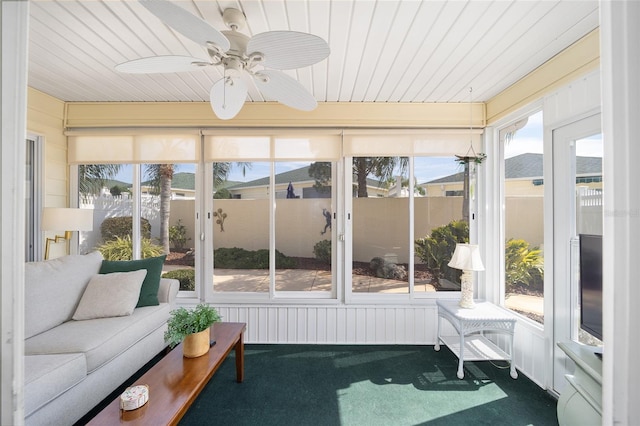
(380, 225)
(438, 213)
(168, 203)
(303, 226)
(524, 214)
(106, 189)
(241, 227)
(589, 213)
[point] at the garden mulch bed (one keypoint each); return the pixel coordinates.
(180, 258)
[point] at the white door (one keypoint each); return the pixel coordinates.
(577, 170)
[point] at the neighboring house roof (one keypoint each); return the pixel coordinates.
(184, 180)
(293, 176)
(187, 181)
(529, 165)
(110, 183)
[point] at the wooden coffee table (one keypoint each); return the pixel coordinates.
(175, 381)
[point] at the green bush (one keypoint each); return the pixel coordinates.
(435, 250)
(239, 258)
(121, 249)
(113, 227)
(322, 251)
(178, 235)
(187, 278)
(524, 265)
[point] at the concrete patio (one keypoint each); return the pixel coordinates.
(257, 280)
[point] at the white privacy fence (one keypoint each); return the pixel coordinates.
(524, 221)
(589, 210)
(106, 206)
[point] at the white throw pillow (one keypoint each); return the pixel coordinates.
(110, 295)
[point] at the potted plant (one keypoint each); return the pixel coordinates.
(193, 327)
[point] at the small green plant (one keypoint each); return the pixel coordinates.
(120, 248)
(178, 235)
(524, 265)
(183, 322)
(239, 258)
(322, 251)
(435, 250)
(187, 278)
(113, 227)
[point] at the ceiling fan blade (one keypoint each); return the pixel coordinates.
(286, 90)
(285, 50)
(227, 97)
(186, 23)
(160, 64)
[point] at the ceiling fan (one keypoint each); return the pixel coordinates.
(236, 53)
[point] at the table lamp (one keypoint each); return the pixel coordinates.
(67, 220)
(467, 258)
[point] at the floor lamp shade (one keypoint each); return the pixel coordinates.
(67, 220)
(467, 258)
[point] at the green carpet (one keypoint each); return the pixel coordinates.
(366, 385)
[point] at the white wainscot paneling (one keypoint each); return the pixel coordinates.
(529, 347)
(374, 325)
(335, 324)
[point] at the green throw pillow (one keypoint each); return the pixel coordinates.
(151, 283)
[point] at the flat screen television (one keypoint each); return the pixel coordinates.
(591, 284)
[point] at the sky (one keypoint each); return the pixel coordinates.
(527, 139)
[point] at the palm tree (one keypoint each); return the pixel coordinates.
(381, 167)
(160, 176)
(92, 177)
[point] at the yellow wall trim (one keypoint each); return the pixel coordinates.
(578, 59)
(270, 114)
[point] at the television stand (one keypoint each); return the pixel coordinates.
(580, 402)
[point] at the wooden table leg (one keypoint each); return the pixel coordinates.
(240, 359)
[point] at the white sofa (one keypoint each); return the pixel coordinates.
(70, 366)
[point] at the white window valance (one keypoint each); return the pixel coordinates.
(183, 146)
(285, 145)
(133, 147)
(405, 142)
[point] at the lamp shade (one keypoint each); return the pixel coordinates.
(67, 219)
(467, 258)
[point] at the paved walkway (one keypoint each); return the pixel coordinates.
(257, 280)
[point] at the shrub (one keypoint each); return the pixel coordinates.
(523, 265)
(113, 227)
(322, 251)
(187, 278)
(239, 258)
(222, 193)
(121, 249)
(178, 235)
(115, 190)
(435, 250)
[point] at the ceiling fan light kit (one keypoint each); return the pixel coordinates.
(237, 53)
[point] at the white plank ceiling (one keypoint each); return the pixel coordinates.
(381, 50)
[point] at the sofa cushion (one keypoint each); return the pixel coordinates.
(99, 339)
(153, 265)
(53, 289)
(110, 295)
(47, 376)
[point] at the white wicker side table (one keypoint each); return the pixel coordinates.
(471, 344)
